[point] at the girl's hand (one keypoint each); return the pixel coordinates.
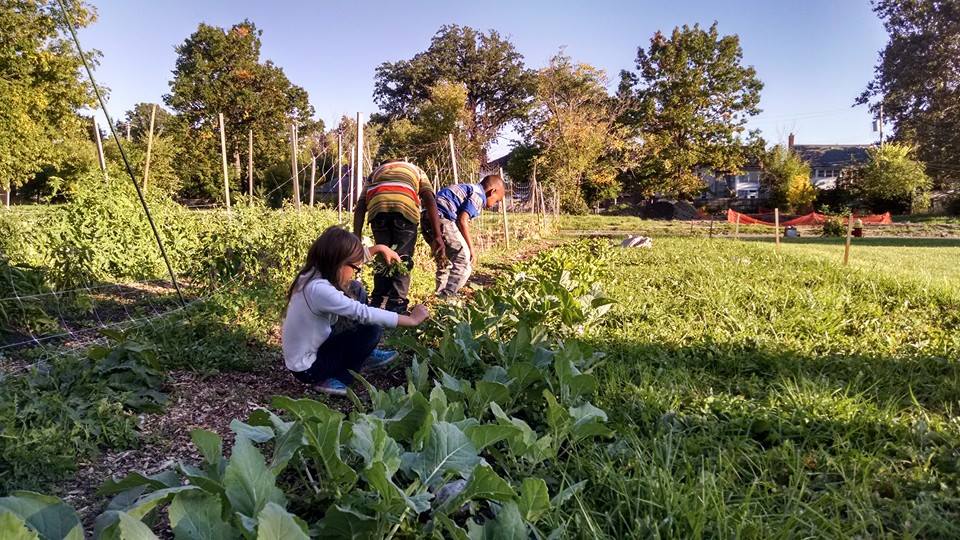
(419, 313)
(389, 256)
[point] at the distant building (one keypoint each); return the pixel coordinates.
(830, 162)
(745, 185)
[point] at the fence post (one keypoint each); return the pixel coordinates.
(846, 247)
(313, 178)
(294, 166)
(359, 163)
(146, 165)
(339, 176)
(503, 212)
(223, 154)
(250, 165)
(776, 220)
(453, 160)
(352, 184)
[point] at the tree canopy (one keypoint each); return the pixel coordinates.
(688, 104)
(497, 83)
(893, 179)
(41, 88)
(917, 79)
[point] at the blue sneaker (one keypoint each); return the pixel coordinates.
(378, 359)
(333, 387)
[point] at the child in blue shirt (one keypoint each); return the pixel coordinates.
(456, 206)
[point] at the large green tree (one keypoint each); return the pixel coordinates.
(138, 120)
(917, 79)
(572, 128)
(220, 71)
(41, 88)
(785, 178)
(498, 84)
(893, 180)
(688, 105)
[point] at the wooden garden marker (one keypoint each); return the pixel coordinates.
(103, 162)
(313, 178)
(146, 165)
(846, 247)
(339, 177)
(736, 232)
(453, 160)
(359, 163)
(776, 220)
(503, 212)
(250, 165)
(294, 168)
(223, 153)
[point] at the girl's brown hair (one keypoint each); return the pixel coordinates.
(335, 248)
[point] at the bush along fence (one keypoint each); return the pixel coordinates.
(498, 394)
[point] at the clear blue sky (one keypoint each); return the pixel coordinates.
(814, 57)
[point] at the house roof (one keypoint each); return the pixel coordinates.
(830, 155)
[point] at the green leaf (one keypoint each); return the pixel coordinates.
(144, 505)
(588, 422)
(50, 517)
(248, 482)
(160, 480)
(446, 450)
(573, 384)
(557, 417)
(196, 515)
(565, 495)
(489, 392)
(447, 524)
(485, 484)
(289, 442)
(391, 495)
(371, 442)
(508, 525)
(210, 445)
(484, 435)
(524, 374)
(132, 528)
(278, 524)
(201, 479)
(409, 419)
(12, 527)
(534, 499)
(323, 438)
(343, 522)
(258, 434)
(304, 408)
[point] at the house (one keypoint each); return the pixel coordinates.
(745, 185)
(829, 163)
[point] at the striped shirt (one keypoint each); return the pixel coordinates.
(396, 187)
(457, 198)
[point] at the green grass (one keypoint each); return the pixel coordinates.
(767, 395)
(929, 261)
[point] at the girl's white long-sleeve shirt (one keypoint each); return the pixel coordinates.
(313, 309)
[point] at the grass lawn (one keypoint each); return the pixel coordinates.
(931, 261)
(770, 396)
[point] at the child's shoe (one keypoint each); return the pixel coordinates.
(378, 359)
(333, 387)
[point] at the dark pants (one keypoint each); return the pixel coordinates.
(399, 233)
(349, 344)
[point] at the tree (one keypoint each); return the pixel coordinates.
(917, 80)
(138, 119)
(220, 71)
(892, 179)
(492, 71)
(41, 88)
(687, 105)
(572, 126)
(786, 178)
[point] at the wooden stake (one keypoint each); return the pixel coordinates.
(352, 184)
(846, 247)
(359, 163)
(313, 178)
(503, 213)
(294, 168)
(339, 177)
(453, 160)
(103, 162)
(776, 220)
(736, 232)
(250, 165)
(128, 129)
(223, 153)
(146, 165)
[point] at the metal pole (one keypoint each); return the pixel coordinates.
(250, 165)
(313, 178)
(223, 153)
(103, 162)
(359, 162)
(352, 184)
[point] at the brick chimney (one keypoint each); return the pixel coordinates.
(790, 140)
